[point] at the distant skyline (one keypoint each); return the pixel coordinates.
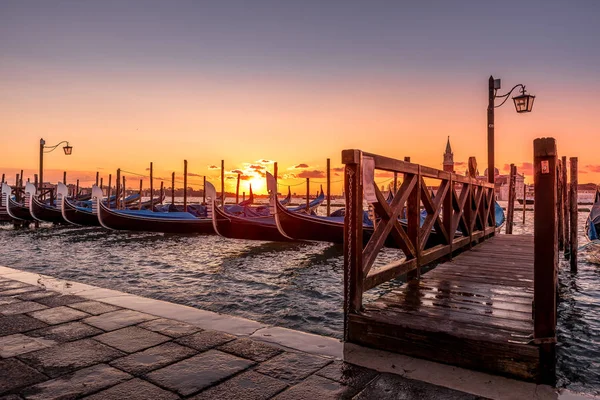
(129, 82)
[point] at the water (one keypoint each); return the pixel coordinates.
(296, 285)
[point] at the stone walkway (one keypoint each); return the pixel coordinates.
(57, 346)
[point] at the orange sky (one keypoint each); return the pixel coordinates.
(127, 84)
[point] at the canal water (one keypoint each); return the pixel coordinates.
(295, 285)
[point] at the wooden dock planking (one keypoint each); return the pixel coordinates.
(474, 311)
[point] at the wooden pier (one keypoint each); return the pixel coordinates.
(490, 301)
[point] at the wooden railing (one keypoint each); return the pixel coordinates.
(459, 214)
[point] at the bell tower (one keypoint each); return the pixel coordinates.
(448, 158)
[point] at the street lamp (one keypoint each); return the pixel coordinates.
(523, 104)
(48, 149)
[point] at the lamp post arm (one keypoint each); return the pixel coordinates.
(52, 148)
(507, 95)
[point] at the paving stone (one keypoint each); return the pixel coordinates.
(251, 349)
(77, 384)
(196, 373)
(135, 389)
(58, 315)
(348, 374)
(6, 285)
(18, 343)
(11, 397)
(18, 323)
(62, 300)
(94, 307)
(67, 357)
(292, 367)
(66, 332)
(8, 300)
(170, 327)
(205, 340)
(153, 358)
(37, 295)
(317, 387)
(21, 307)
(16, 374)
(390, 386)
(132, 339)
(118, 319)
(246, 386)
(26, 289)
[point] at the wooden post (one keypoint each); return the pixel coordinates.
(222, 183)
(204, 190)
(77, 189)
(524, 197)
(162, 192)
(184, 185)
(237, 190)
(395, 183)
(559, 205)
(65, 177)
(490, 130)
(545, 253)
(573, 214)
(140, 200)
(151, 187)
(102, 183)
(97, 177)
(413, 216)
(448, 212)
(307, 194)
(243, 196)
(2, 178)
(510, 212)
(353, 235)
(108, 190)
(328, 187)
(565, 202)
(123, 205)
(35, 181)
(173, 188)
(118, 189)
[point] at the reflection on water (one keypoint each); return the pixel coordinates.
(296, 285)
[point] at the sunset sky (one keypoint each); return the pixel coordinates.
(129, 82)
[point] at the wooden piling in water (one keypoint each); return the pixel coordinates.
(328, 187)
(97, 177)
(565, 204)
(124, 193)
(140, 199)
(173, 188)
(2, 178)
(573, 214)
(184, 185)
(108, 190)
(151, 186)
(77, 189)
(118, 189)
(545, 253)
(65, 177)
(510, 209)
(559, 206)
(35, 181)
(204, 190)
(307, 194)
(162, 192)
(101, 183)
(223, 183)
(237, 190)
(524, 197)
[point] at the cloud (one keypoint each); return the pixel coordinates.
(148, 169)
(213, 167)
(592, 168)
(311, 174)
(257, 167)
(237, 171)
(264, 161)
(301, 166)
(524, 167)
(193, 174)
(460, 164)
(338, 169)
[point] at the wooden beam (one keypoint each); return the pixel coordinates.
(559, 206)
(173, 188)
(573, 242)
(185, 166)
(510, 212)
(328, 187)
(151, 186)
(565, 203)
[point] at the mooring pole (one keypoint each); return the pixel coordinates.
(123, 205)
(328, 187)
(97, 177)
(565, 203)
(184, 185)
(173, 189)
(545, 265)
(573, 214)
(222, 183)
(559, 206)
(524, 197)
(204, 190)
(77, 189)
(151, 187)
(237, 190)
(102, 183)
(162, 192)
(307, 194)
(510, 212)
(118, 189)
(108, 190)
(140, 199)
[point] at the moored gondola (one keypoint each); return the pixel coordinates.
(149, 221)
(16, 210)
(72, 213)
(592, 224)
(40, 211)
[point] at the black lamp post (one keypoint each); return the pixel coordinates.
(48, 149)
(523, 104)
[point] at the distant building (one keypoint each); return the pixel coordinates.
(448, 158)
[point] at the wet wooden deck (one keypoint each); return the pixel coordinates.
(474, 311)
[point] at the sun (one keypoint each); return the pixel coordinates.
(259, 185)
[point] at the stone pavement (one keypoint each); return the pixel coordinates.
(57, 346)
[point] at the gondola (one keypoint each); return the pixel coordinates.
(253, 223)
(72, 213)
(148, 221)
(4, 217)
(16, 210)
(40, 211)
(592, 224)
